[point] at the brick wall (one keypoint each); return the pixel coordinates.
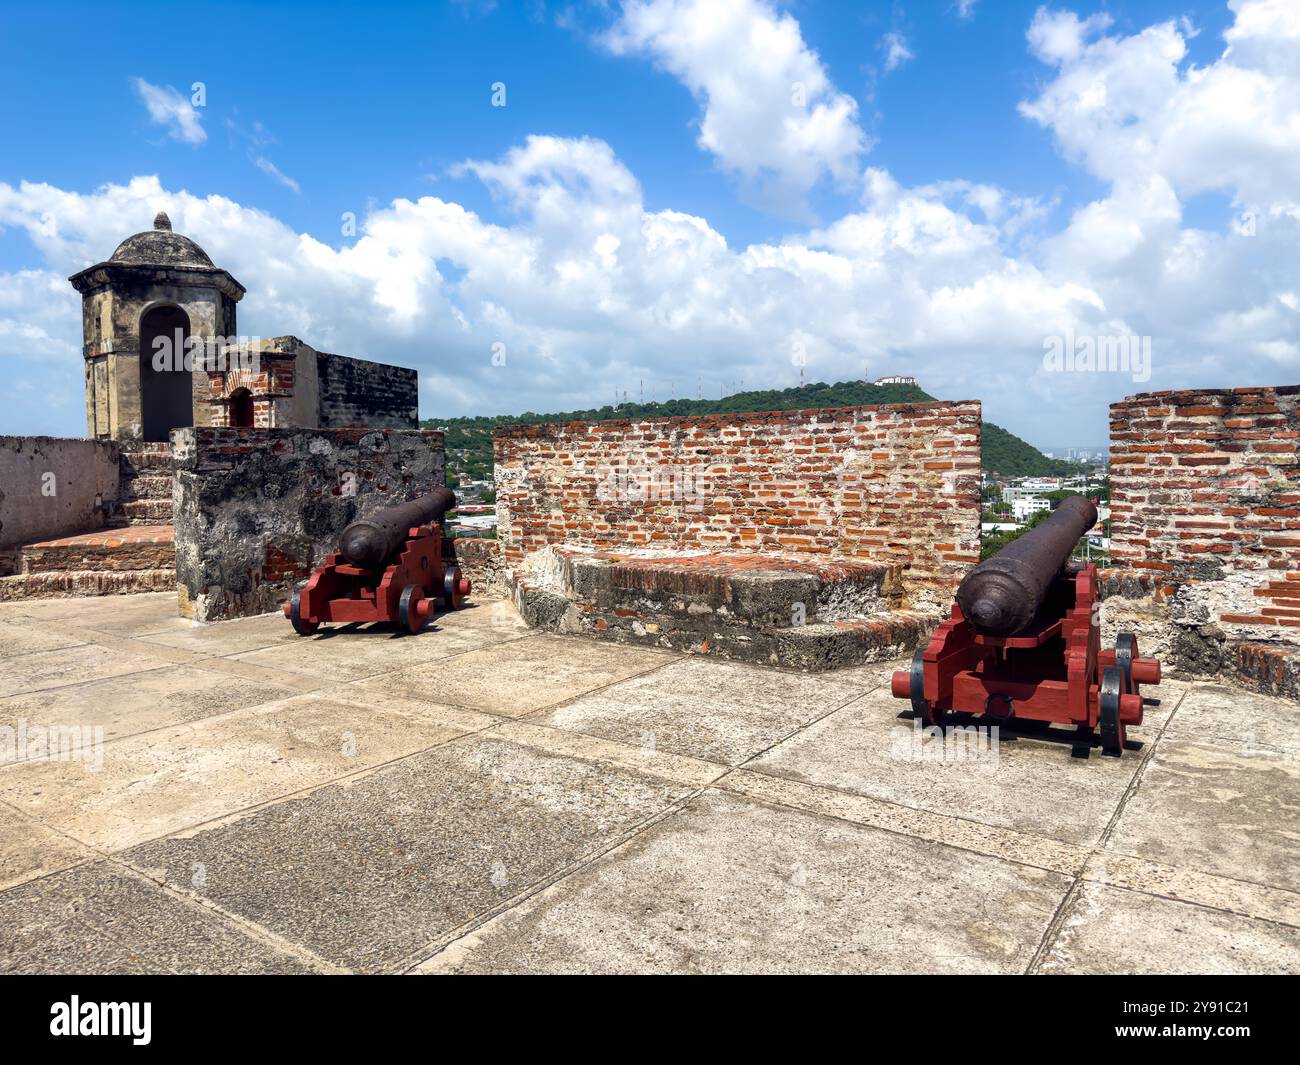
(258, 509)
(269, 380)
(479, 559)
(1205, 519)
(893, 483)
(357, 392)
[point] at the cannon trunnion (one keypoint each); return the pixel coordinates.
(1039, 659)
(394, 565)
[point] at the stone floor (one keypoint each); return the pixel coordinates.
(480, 798)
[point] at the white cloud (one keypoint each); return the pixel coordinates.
(1058, 36)
(770, 113)
(168, 108)
(1126, 106)
(267, 167)
(591, 292)
(896, 50)
(966, 8)
(955, 281)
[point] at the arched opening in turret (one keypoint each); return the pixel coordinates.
(166, 385)
(241, 409)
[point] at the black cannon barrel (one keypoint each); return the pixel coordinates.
(373, 540)
(1002, 595)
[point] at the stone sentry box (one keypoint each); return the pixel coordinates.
(895, 484)
(257, 509)
(155, 282)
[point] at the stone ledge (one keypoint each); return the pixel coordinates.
(800, 613)
(68, 583)
(1269, 668)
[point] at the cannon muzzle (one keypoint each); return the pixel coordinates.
(1003, 594)
(373, 540)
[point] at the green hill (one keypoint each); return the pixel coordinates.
(1004, 453)
(469, 440)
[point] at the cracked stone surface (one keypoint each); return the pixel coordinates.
(480, 798)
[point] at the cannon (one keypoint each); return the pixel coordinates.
(393, 565)
(1022, 646)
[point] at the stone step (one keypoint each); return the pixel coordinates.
(147, 486)
(777, 591)
(138, 547)
(114, 561)
(797, 612)
(68, 583)
(148, 511)
(147, 460)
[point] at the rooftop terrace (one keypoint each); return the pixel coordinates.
(480, 797)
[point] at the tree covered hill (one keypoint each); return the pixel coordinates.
(469, 440)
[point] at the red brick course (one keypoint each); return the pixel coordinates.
(885, 483)
(1205, 482)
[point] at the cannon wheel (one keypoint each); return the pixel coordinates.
(408, 611)
(923, 711)
(1112, 731)
(1126, 649)
(451, 589)
(301, 627)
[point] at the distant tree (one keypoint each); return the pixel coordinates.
(469, 440)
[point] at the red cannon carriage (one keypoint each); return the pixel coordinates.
(1023, 645)
(395, 566)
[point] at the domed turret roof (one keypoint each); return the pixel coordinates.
(161, 247)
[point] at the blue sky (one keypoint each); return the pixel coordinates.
(316, 110)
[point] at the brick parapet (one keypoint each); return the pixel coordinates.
(897, 484)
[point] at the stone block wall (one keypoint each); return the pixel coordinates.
(51, 486)
(358, 392)
(256, 510)
(1205, 527)
(894, 484)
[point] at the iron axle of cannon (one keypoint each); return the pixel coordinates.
(372, 541)
(1003, 594)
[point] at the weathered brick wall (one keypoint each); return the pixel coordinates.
(356, 392)
(1205, 520)
(893, 483)
(479, 559)
(257, 509)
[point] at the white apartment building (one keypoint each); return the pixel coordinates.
(1023, 508)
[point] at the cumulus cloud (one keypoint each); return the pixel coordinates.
(590, 292)
(770, 112)
(1219, 304)
(169, 109)
(958, 282)
(1125, 106)
(1058, 36)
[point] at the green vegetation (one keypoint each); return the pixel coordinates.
(993, 542)
(469, 440)
(1008, 455)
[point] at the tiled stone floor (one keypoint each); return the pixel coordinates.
(480, 798)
